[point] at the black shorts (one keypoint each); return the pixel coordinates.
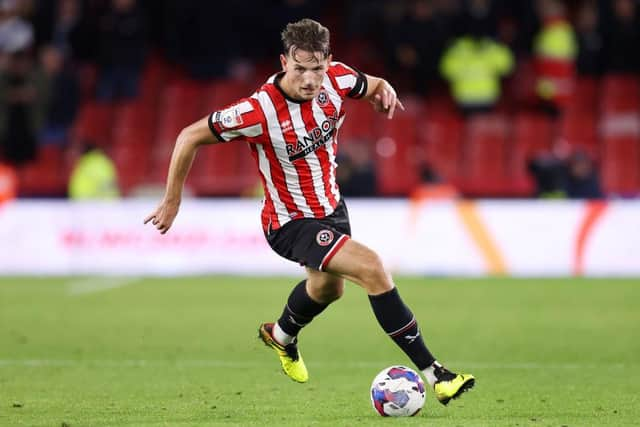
(312, 242)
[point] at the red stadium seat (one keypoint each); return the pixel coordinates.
(579, 130)
(224, 170)
(362, 54)
(134, 131)
(134, 122)
(361, 122)
(439, 101)
(440, 144)
(180, 106)
(620, 93)
(620, 163)
(531, 134)
(93, 123)
(154, 75)
(132, 161)
(223, 92)
(47, 175)
(484, 156)
(396, 152)
(87, 79)
(584, 98)
(520, 87)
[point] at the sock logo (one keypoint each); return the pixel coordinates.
(324, 237)
(412, 338)
(292, 320)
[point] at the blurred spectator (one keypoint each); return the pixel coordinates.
(562, 173)
(364, 19)
(72, 35)
(8, 183)
(415, 39)
(16, 34)
(622, 32)
(122, 50)
(279, 13)
(480, 18)
(65, 26)
(549, 171)
(191, 41)
(56, 23)
(555, 52)
(356, 174)
(449, 13)
(474, 67)
(518, 26)
(94, 176)
(590, 40)
(62, 97)
(432, 186)
(21, 109)
(583, 181)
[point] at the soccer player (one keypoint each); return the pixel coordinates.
(291, 125)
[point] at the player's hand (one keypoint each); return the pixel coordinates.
(386, 101)
(162, 218)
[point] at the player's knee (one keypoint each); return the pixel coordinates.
(373, 275)
(333, 293)
(327, 292)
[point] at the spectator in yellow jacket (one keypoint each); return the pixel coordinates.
(94, 176)
(474, 67)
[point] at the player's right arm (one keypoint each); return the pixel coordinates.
(352, 83)
(242, 120)
(187, 144)
(382, 96)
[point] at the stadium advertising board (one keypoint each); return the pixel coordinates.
(517, 238)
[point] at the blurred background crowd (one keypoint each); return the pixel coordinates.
(536, 98)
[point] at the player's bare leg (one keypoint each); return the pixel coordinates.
(364, 267)
(324, 287)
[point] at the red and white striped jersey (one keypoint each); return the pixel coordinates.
(294, 143)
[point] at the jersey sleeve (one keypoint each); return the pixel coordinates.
(242, 119)
(348, 81)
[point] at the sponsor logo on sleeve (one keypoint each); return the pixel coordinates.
(230, 118)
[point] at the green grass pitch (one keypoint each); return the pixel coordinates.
(183, 352)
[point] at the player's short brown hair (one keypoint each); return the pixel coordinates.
(308, 35)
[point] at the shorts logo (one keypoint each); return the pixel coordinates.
(323, 98)
(324, 237)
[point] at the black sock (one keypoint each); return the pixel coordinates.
(398, 322)
(299, 311)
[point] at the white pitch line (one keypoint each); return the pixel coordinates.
(246, 364)
(98, 284)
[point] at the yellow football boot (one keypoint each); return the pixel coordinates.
(290, 358)
(452, 386)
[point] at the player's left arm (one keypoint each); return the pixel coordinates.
(382, 96)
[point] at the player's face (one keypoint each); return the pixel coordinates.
(304, 73)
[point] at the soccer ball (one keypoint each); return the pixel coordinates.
(397, 391)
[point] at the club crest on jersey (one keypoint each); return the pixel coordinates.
(315, 139)
(324, 237)
(323, 98)
(230, 118)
